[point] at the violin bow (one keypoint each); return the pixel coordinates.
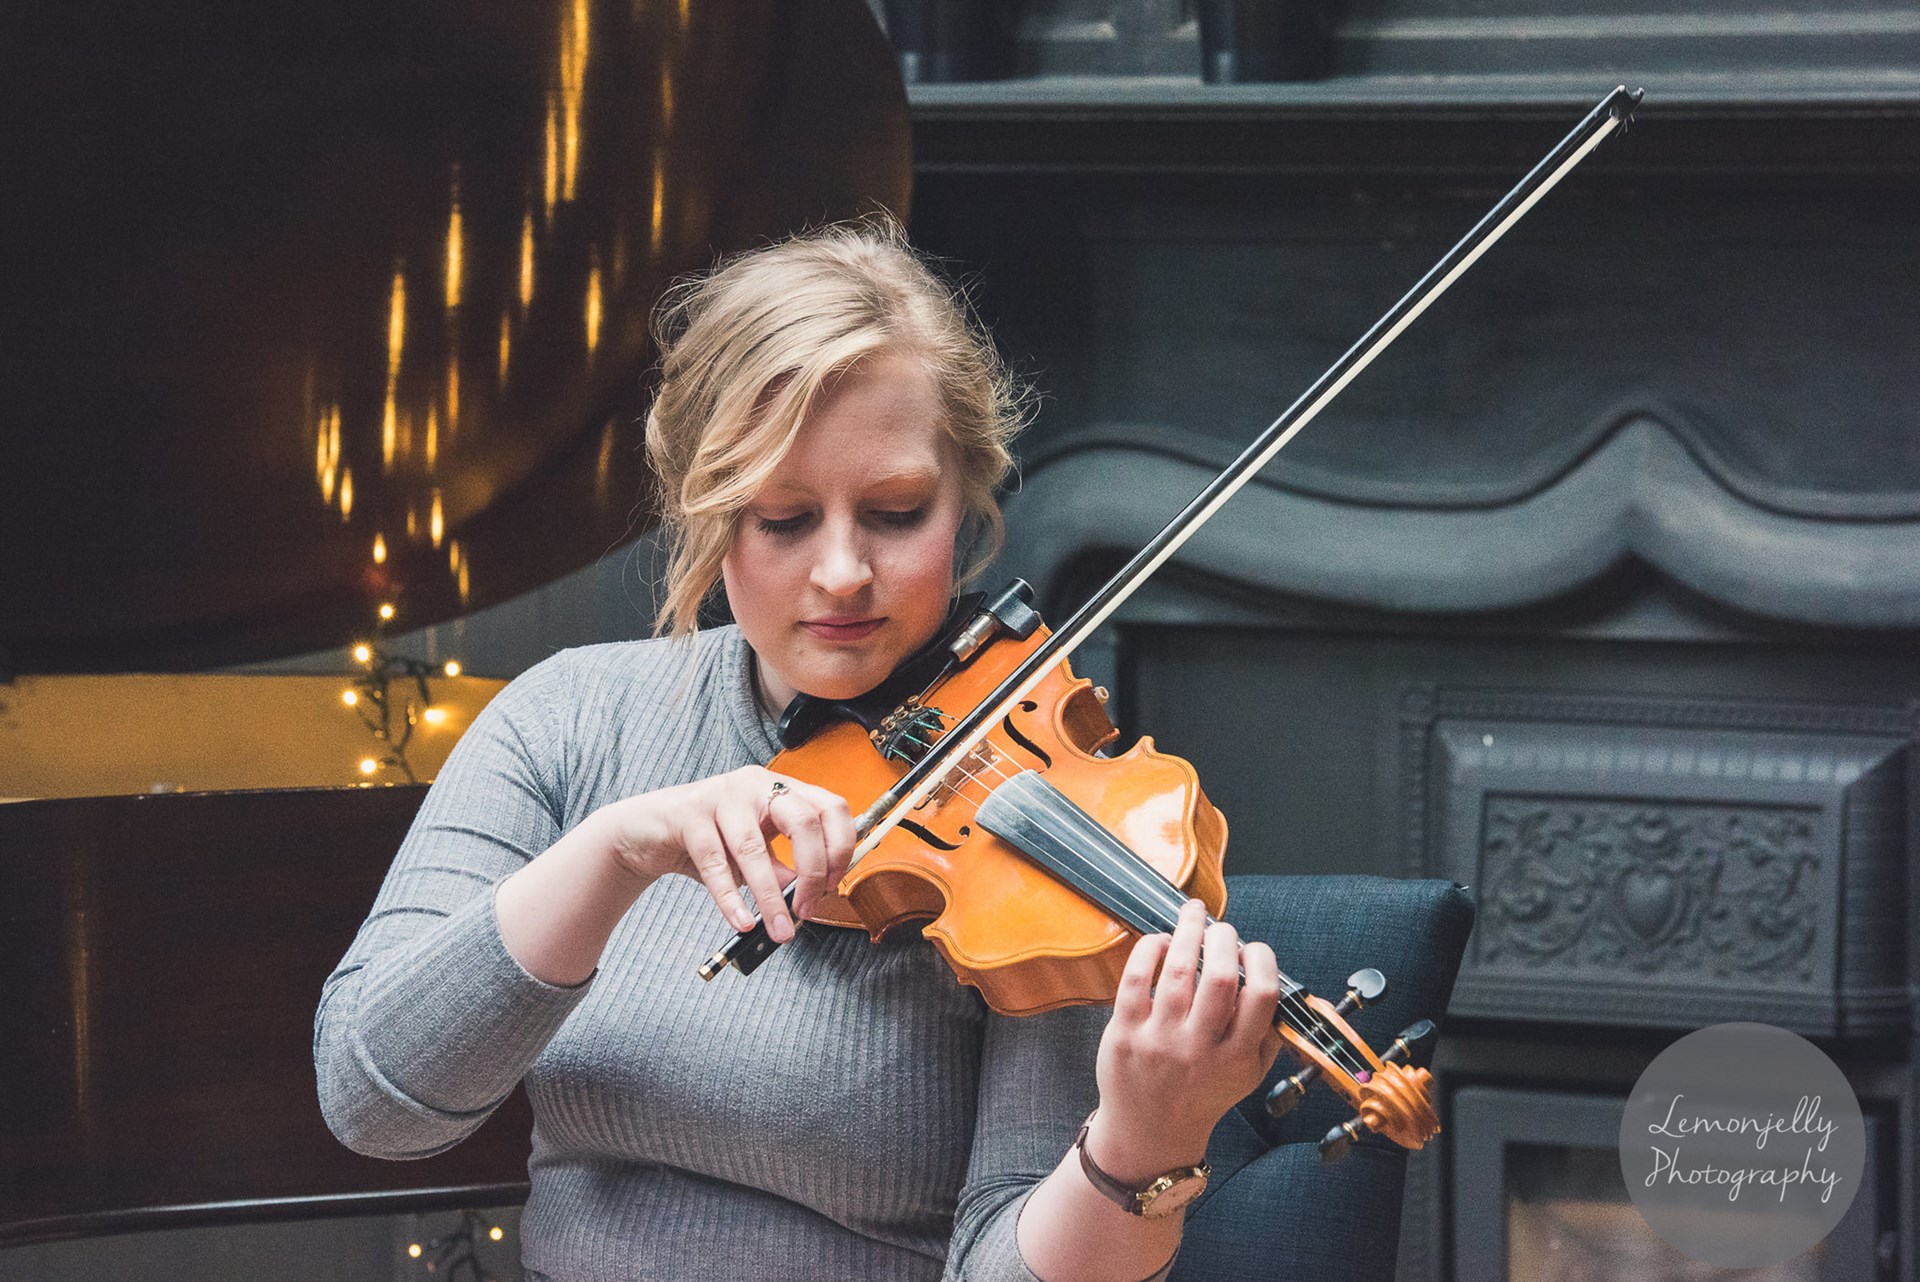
(748, 948)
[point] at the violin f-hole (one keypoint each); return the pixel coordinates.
(1013, 733)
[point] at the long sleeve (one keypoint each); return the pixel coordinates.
(1036, 1087)
(428, 1021)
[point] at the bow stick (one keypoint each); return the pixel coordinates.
(746, 949)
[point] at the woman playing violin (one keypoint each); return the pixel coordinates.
(829, 432)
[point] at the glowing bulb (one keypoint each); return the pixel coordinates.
(495, 1233)
(362, 654)
(453, 667)
(386, 610)
(434, 716)
(368, 765)
(379, 549)
(350, 697)
(413, 1250)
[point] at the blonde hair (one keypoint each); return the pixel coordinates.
(747, 347)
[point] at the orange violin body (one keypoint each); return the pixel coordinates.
(1028, 942)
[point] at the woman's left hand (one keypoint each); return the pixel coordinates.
(1186, 1042)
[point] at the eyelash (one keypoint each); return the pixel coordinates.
(791, 525)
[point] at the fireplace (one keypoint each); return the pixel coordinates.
(1538, 1197)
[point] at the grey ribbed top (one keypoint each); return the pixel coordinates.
(848, 1111)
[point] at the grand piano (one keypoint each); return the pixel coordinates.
(322, 323)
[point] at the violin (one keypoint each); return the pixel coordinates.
(990, 813)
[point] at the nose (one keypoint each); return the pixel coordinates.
(841, 568)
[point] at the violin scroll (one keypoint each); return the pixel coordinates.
(1390, 1094)
(1396, 1101)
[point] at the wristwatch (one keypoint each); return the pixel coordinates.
(1164, 1194)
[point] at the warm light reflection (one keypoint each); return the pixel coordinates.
(389, 430)
(666, 98)
(453, 392)
(453, 557)
(506, 345)
(574, 28)
(657, 218)
(396, 327)
(380, 550)
(326, 455)
(436, 521)
(413, 524)
(433, 437)
(593, 305)
(346, 494)
(526, 261)
(603, 465)
(464, 585)
(455, 248)
(553, 156)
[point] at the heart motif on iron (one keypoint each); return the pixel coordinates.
(1650, 901)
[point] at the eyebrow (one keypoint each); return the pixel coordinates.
(909, 475)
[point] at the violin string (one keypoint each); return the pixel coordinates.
(1146, 882)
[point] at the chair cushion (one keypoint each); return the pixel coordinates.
(1274, 1209)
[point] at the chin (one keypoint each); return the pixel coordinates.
(841, 686)
(849, 677)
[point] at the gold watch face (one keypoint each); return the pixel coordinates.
(1169, 1193)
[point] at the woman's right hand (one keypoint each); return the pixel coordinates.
(716, 830)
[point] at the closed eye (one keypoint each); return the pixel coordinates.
(901, 520)
(786, 525)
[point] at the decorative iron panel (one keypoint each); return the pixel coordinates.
(1667, 864)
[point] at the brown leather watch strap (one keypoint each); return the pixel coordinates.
(1138, 1199)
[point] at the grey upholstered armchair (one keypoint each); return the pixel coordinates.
(1274, 1210)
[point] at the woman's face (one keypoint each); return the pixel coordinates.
(843, 562)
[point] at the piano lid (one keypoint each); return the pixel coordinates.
(311, 307)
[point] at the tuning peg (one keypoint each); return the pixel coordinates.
(1416, 1043)
(1289, 1091)
(1364, 988)
(1340, 1140)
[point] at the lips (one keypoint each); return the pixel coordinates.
(842, 629)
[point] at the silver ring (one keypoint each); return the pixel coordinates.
(779, 787)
